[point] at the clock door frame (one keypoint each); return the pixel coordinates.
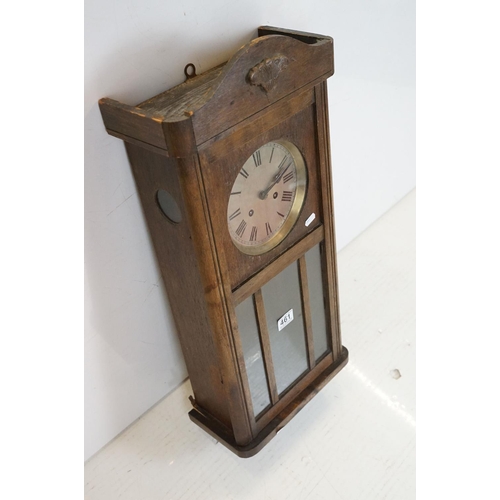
(291, 250)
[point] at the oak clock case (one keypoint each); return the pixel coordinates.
(233, 171)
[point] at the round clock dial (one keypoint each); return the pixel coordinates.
(266, 197)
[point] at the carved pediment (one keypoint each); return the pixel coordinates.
(267, 72)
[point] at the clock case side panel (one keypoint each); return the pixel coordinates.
(191, 287)
(329, 253)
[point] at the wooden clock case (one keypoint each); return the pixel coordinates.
(191, 141)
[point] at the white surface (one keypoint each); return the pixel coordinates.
(354, 441)
(138, 48)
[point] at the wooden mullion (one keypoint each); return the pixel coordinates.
(306, 311)
(266, 346)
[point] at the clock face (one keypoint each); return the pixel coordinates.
(266, 197)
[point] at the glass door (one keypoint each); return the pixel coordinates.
(283, 330)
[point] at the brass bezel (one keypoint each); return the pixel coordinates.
(294, 213)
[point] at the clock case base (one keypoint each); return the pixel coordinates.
(218, 432)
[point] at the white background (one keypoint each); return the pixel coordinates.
(137, 48)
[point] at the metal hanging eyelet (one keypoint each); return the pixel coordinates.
(190, 74)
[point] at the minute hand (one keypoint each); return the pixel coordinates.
(276, 179)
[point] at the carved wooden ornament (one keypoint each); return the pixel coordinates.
(267, 72)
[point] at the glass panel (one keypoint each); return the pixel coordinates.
(247, 325)
(288, 346)
(317, 301)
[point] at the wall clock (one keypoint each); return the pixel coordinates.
(233, 172)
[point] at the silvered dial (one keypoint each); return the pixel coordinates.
(266, 197)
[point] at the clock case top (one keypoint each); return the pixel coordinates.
(191, 140)
(176, 122)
